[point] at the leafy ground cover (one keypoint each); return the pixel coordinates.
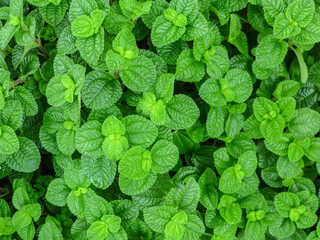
(153, 120)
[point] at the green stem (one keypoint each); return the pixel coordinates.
(303, 65)
(6, 192)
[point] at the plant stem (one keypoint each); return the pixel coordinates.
(42, 48)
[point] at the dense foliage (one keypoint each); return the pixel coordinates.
(153, 120)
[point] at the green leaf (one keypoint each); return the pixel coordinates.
(11, 115)
(91, 47)
(140, 75)
(100, 90)
(89, 139)
(295, 152)
(50, 231)
(133, 9)
(208, 193)
(234, 124)
(230, 182)
(210, 91)
(125, 44)
(240, 144)
(287, 88)
(264, 108)
(164, 87)
(21, 219)
(272, 8)
(54, 14)
(185, 198)
(287, 169)
(165, 32)
(203, 43)
(96, 208)
(217, 117)
(287, 107)
(282, 228)
(229, 209)
(188, 68)
(115, 21)
(304, 123)
(77, 200)
(100, 170)
(164, 155)
(182, 111)
(301, 12)
(6, 34)
(272, 129)
(158, 217)
(283, 28)
(285, 201)
(27, 158)
(58, 192)
(66, 140)
(27, 101)
(81, 7)
(139, 131)
(196, 29)
(217, 62)
(271, 52)
(235, 27)
(9, 141)
(135, 163)
(135, 187)
(98, 230)
(74, 176)
(67, 42)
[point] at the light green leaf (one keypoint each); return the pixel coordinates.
(140, 75)
(91, 47)
(74, 176)
(185, 198)
(287, 169)
(188, 68)
(164, 155)
(139, 131)
(81, 7)
(135, 187)
(230, 182)
(67, 42)
(50, 231)
(287, 88)
(27, 101)
(96, 207)
(165, 32)
(271, 52)
(235, 27)
(283, 28)
(54, 14)
(208, 193)
(182, 111)
(27, 158)
(217, 62)
(100, 91)
(101, 171)
(9, 142)
(58, 192)
(188, 8)
(66, 140)
(89, 139)
(217, 117)
(304, 123)
(135, 163)
(301, 12)
(264, 108)
(158, 217)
